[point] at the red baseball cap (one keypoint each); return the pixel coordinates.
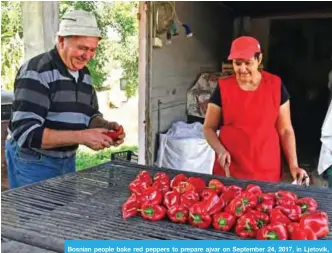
(244, 47)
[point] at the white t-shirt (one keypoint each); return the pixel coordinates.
(74, 74)
(325, 157)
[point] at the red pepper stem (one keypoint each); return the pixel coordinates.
(245, 202)
(238, 209)
(214, 187)
(260, 223)
(195, 217)
(148, 211)
(222, 222)
(247, 226)
(272, 236)
(179, 215)
(304, 207)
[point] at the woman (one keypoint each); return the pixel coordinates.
(254, 107)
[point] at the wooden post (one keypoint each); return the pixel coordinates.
(40, 24)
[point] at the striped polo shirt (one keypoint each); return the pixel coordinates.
(46, 95)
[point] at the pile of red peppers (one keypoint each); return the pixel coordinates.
(249, 212)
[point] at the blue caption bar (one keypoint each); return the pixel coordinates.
(197, 246)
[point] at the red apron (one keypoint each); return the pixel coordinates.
(249, 131)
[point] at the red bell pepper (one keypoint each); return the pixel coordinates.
(281, 194)
(292, 226)
(234, 188)
(162, 186)
(323, 214)
(307, 204)
(198, 217)
(178, 214)
(266, 196)
(277, 217)
(262, 219)
(189, 198)
(231, 192)
(248, 199)
(151, 196)
(198, 183)
(138, 187)
(114, 134)
(293, 212)
(223, 221)
(318, 222)
(216, 185)
(214, 204)
(184, 187)
(285, 201)
(129, 208)
(152, 212)
(246, 226)
(177, 180)
(161, 176)
(255, 189)
(144, 176)
(207, 193)
(272, 232)
(172, 198)
(236, 207)
(300, 233)
(266, 206)
(162, 182)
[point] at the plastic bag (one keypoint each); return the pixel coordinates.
(184, 148)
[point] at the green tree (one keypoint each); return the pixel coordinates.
(11, 42)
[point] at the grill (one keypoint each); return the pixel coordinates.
(6, 111)
(87, 205)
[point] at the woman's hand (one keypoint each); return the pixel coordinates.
(299, 174)
(224, 159)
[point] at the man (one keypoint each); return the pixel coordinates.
(55, 106)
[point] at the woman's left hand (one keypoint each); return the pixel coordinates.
(299, 174)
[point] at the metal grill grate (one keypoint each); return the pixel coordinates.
(87, 205)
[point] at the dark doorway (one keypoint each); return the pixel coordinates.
(300, 53)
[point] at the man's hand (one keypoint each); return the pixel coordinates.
(96, 138)
(100, 122)
(115, 126)
(112, 125)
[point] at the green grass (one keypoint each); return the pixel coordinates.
(87, 159)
